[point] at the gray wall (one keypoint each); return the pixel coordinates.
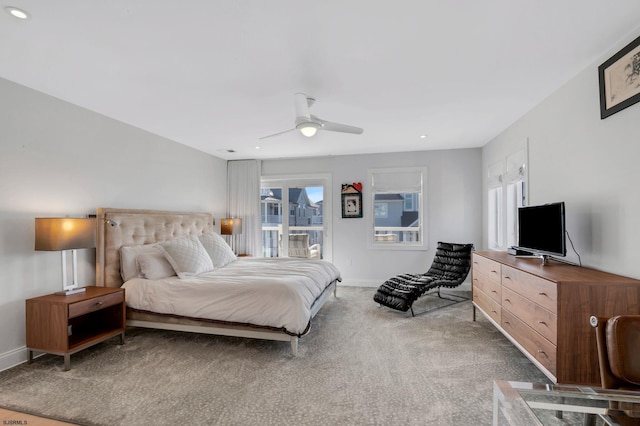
(57, 159)
(454, 203)
(589, 163)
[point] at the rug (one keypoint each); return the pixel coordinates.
(360, 364)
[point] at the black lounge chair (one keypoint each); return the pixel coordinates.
(450, 268)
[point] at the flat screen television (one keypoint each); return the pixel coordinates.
(541, 230)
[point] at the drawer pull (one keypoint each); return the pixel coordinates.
(494, 312)
(494, 271)
(507, 300)
(541, 352)
(100, 303)
(542, 294)
(493, 291)
(507, 322)
(475, 263)
(542, 322)
(507, 277)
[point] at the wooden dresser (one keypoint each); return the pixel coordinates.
(545, 310)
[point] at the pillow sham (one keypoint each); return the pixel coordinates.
(128, 259)
(218, 249)
(187, 256)
(154, 266)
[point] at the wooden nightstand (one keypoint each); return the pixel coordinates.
(64, 325)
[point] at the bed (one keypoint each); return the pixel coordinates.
(273, 299)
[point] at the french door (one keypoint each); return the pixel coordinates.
(296, 205)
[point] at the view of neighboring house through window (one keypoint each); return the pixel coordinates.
(398, 207)
(304, 222)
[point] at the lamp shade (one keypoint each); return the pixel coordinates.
(65, 233)
(231, 226)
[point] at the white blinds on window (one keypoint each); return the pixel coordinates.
(400, 181)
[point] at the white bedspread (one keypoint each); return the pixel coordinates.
(274, 292)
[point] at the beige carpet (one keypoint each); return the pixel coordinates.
(359, 365)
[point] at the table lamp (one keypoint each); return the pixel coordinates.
(231, 226)
(63, 234)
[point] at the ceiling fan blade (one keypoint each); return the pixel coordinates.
(276, 134)
(337, 127)
(301, 102)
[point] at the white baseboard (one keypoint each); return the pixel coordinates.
(13, 358)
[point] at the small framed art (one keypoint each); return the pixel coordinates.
(619, 79)
(352, 205)
(351, 200)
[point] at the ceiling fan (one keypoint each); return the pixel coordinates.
(309, 124)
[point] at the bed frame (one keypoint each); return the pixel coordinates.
(120, 227)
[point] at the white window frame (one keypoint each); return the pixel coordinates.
(422, 214)
(506, 192)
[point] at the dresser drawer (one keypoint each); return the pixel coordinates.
(488, 305)
(486, 267)
(95, 303)
(536, 289)
(489, 287)
(535, 316)
(537, 346)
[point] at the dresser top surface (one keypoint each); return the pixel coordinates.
(555, 270)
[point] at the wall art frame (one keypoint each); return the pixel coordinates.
(619, 79)
(352, 200)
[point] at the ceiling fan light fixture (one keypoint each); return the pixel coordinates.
(308, 129)
(16, 12)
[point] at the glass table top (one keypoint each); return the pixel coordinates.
(520, 403)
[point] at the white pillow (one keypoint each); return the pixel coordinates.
(187, 256)
(154, 266)
(128, 259)
(218, 249)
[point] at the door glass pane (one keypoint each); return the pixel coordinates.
(271, 213)
(306, 218)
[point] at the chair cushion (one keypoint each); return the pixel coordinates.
(623, 347)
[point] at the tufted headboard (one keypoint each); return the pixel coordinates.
(124, 227)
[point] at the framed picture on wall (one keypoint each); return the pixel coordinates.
(619, 79)
(352, 205)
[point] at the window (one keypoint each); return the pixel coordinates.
(507, 190)
(409, 202)
(397, 200)
(495, 218)
(381, 210)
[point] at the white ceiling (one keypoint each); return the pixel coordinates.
(218, 75)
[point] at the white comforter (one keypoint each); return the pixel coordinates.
(274, 292)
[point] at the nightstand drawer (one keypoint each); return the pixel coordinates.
(94, 304)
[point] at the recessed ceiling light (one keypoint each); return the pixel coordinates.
(257, 147)
(423, 136)
(16, 12)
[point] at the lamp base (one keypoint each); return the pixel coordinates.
(71, 291)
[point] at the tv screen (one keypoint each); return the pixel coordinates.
(541, 229)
